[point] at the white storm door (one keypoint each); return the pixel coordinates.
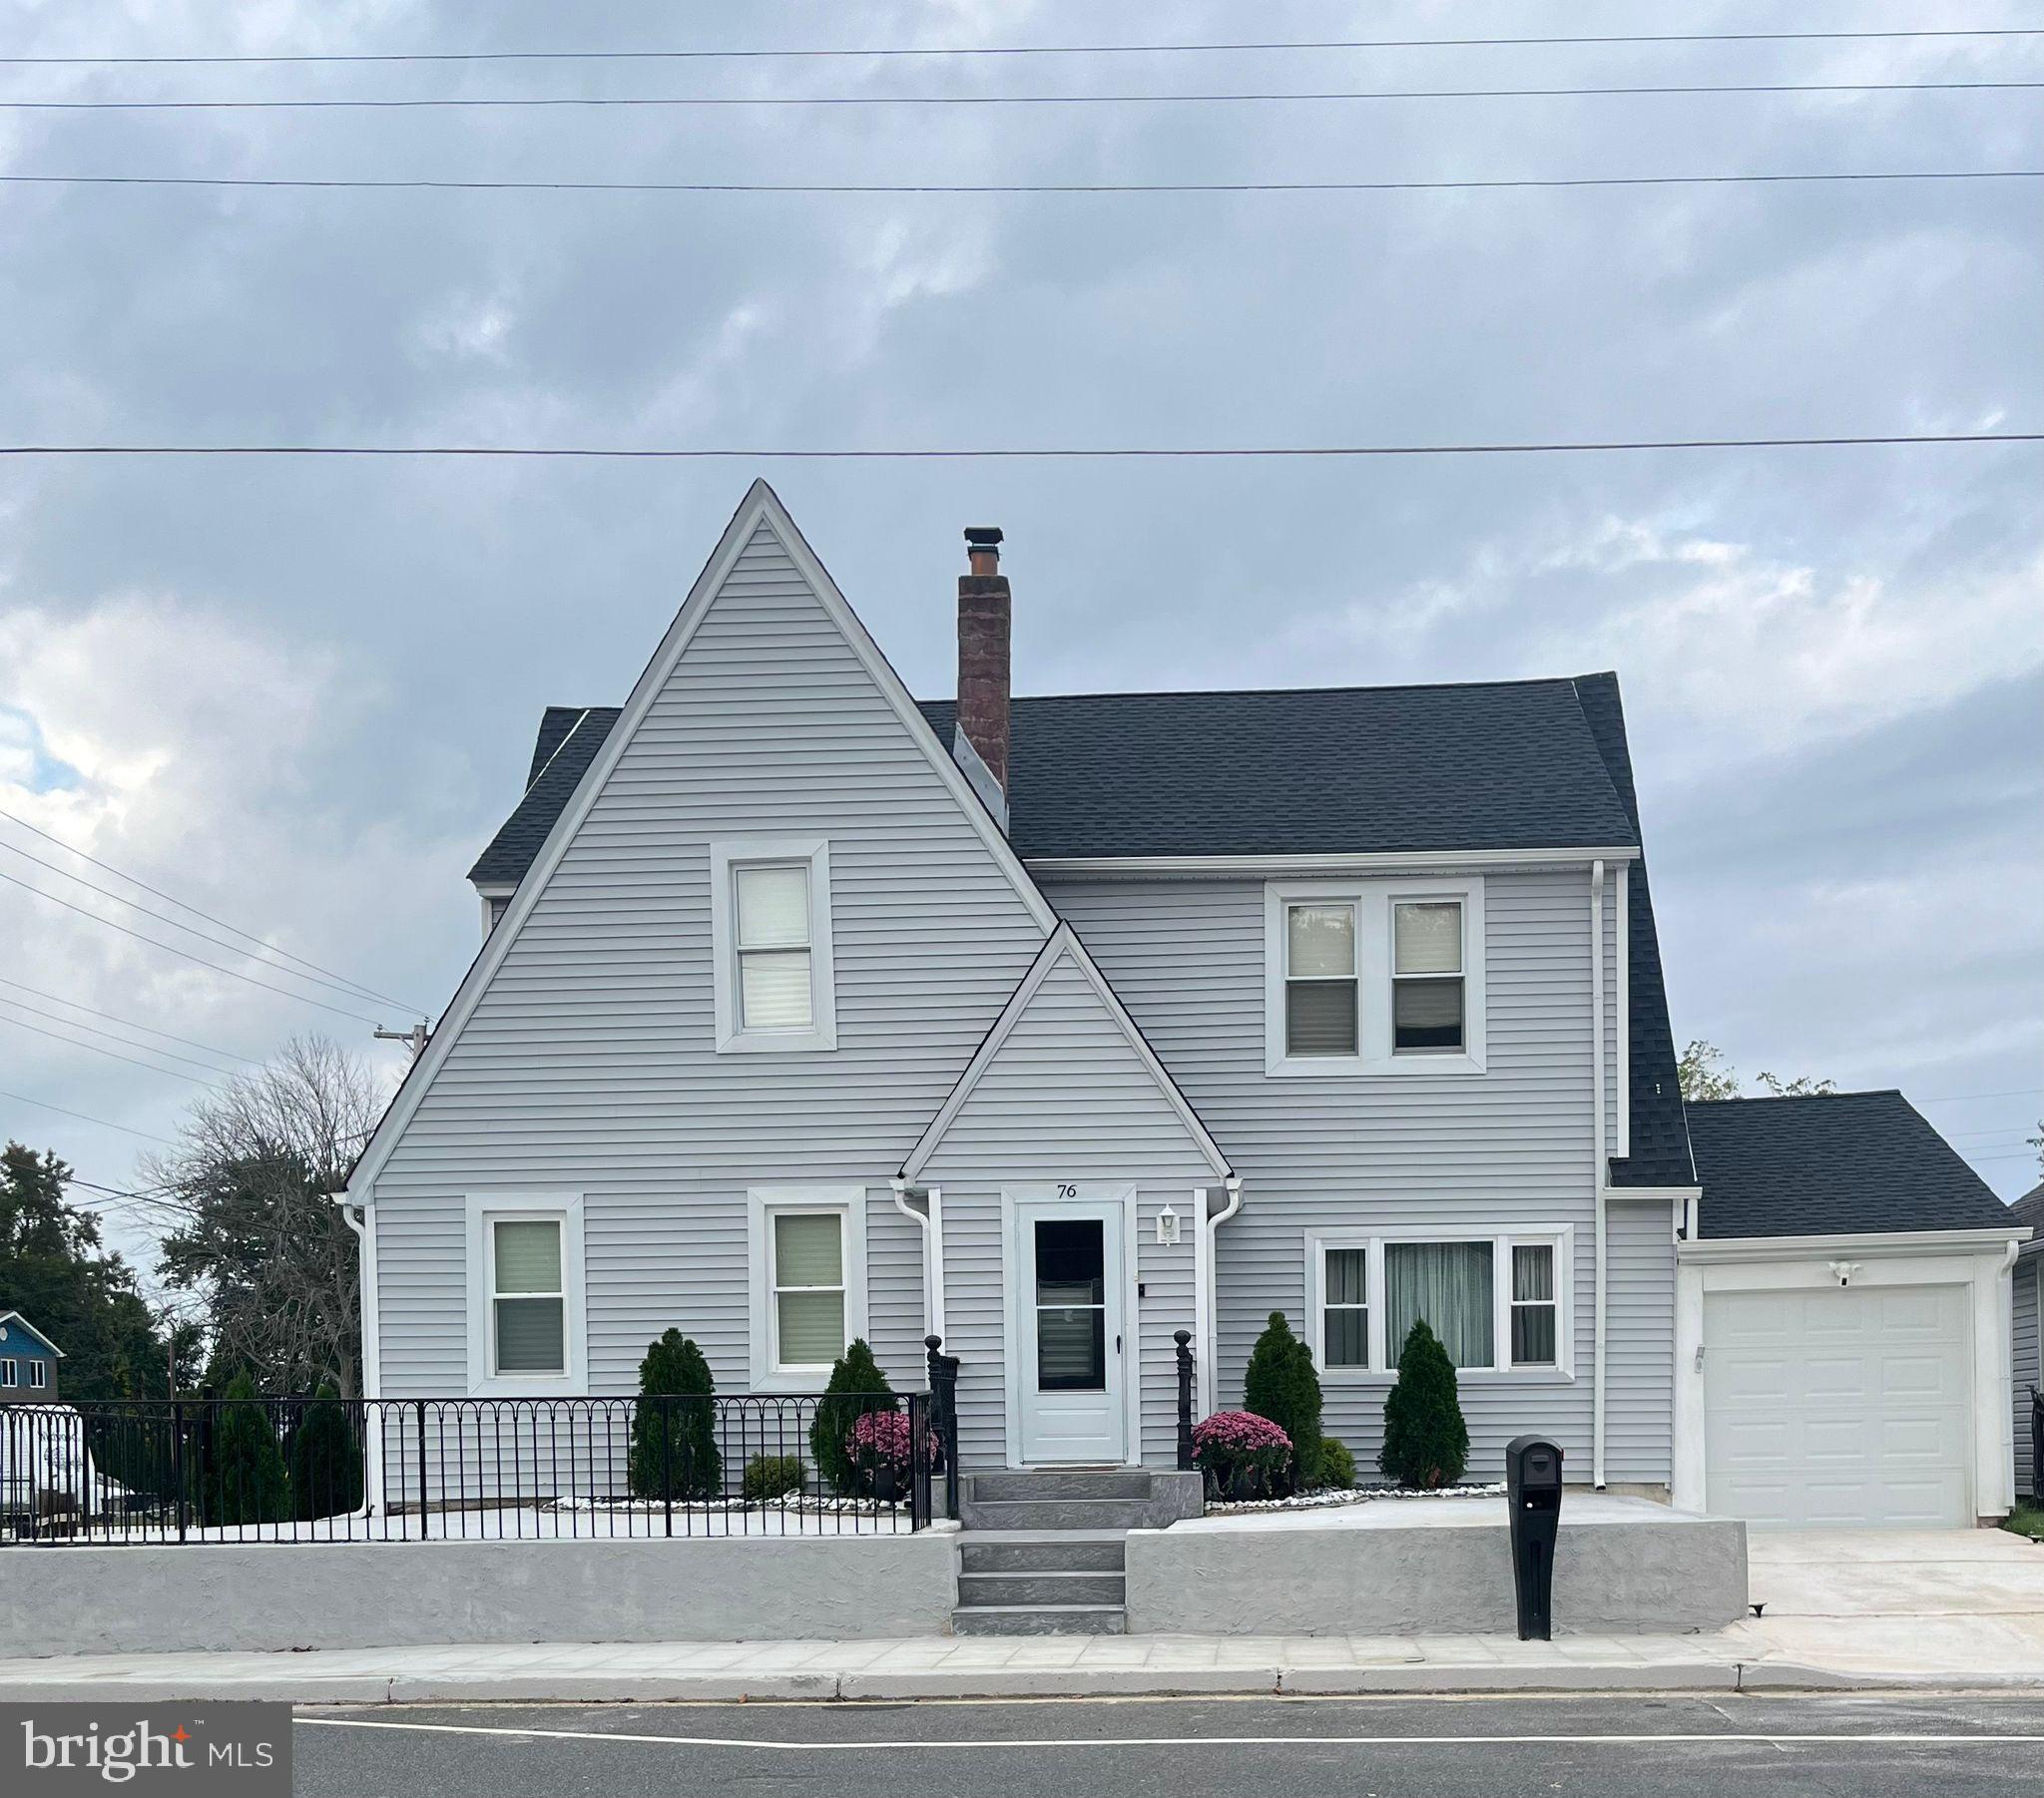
(1068, 1314)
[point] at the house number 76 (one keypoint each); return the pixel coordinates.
(1067, 1191)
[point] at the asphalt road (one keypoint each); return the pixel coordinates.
(1623, 1747)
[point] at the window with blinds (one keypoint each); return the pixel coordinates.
(528, 1302)
(1321, 993)
(1426, 977)
(808, 1288)
(772, 905)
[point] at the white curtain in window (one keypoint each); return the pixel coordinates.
(1448, 1284)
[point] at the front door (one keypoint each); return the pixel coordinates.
(1069, 1318)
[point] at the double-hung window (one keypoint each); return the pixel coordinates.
(525, 1295)
(770, 928)
(809, 1283)
(38, 1375)
(1496, 1302)
(1374, 976)
(10, 1371)
(1426, 977)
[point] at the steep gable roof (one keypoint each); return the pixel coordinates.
(1833, 1164)
(1063, 947)
(760, 510)
(2030, 1207)
(570, 739)
(14, 1318)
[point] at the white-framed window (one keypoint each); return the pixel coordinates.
(770, 909)
(1373, 976)
(808, 1253)
(526, 1309)
(1498, 1300)
(10, 1371)
(38, 1375)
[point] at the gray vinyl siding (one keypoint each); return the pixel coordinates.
(589, 1065)
(2028, 1372)
(1065, 1098)
(1399, 1153)
(1612, 1115)
(1639, 1350)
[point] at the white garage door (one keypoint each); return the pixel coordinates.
(1839, 1406)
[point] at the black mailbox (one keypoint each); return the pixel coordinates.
(1533, 1496)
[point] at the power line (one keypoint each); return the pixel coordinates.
(346, 991)
(169, 1055)
(129, 1023)
(572, 451)
(153, 942)
(1959, 1098)
(997, 187)
(442, 100)
(85, 1117)
(996, 50)
(182, 905)
(110, 1054)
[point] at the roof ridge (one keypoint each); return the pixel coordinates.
(1281, 692)
(1792, 1097)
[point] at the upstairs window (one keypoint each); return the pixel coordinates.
(10, 1372)
(771, 930)
(1321, 993)
(38, 1374)
(1426, 977)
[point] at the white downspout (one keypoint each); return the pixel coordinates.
(364, 1228)
(1206, 1375)
(1597, 1163)
(931, 1224)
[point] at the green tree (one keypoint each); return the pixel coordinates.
(674, 1426)
(54, 1271)
(1427, 1443)
(1705, 1074)
(325, 1459)
(1280, 1383)
(856, 1386)
(244, 1477)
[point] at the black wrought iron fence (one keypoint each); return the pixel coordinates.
(297, 1470)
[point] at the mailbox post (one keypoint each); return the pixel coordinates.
(1533, 1496)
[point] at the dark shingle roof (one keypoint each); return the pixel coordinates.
(1832, 1164)
(2030, 1207)
(1514, 764)
(1368, 769)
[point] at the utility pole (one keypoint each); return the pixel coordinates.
(414, 1038)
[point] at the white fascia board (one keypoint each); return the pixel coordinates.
(1063, 942)
(1401, 860)
(761, 504)
(1659, 1194)
(1873, 1243)
(15, 1317)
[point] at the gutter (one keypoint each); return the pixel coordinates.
(931, 1224)
(364, 1228)
(1598, 1168)
(1206, 1297)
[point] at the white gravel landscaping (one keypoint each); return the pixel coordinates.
(1354, 1494)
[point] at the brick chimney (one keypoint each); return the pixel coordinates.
(983, 621)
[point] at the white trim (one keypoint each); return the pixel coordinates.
(1874, 1243)
(484, 1208)
(1374, 902)
(1207, 1372)
(1382, 1369)
(1600, 1174)
(727, 857)
(762, 1203)
(7, 1317)
(1372, 862)
(1971, 1259)
(1062, 943)
(760, 506)
(38, 1373)
(1622, 884)
(1090, 1197)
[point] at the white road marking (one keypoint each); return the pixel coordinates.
(1760, 1737)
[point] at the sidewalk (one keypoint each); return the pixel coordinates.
(1742, 1658)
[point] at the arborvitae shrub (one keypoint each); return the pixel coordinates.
(1427, 1443)
(855, 1377)
(674, 1426)
(1282, 1383)
(325, 1459)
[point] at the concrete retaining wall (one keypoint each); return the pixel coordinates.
(1662, 1575)
(374, 1594)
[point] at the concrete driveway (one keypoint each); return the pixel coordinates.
(1968, 1603)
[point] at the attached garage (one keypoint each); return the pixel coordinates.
(1843, 1320)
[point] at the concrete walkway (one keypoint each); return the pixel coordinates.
(1878, 1610)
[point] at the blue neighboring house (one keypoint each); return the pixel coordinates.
(27, 1361)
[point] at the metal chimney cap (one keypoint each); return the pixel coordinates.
(983, 537)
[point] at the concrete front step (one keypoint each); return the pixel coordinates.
(1040, 1619)
(1047, 1588)
(1043, 1551)
(1056, 1513)
(1060, 1483)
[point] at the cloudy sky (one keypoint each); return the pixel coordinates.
(300, 695)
